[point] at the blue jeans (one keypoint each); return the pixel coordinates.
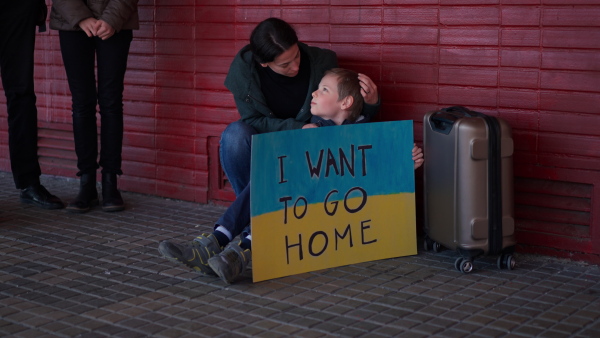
(235, 154)
(80, 53)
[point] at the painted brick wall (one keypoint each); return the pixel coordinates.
(535, 63)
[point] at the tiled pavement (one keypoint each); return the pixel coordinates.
(100, 274)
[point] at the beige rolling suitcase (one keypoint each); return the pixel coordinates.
(468, 189)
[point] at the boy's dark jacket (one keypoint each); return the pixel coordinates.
(321, 122)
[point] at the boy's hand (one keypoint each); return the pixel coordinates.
(310, 125)
(417, 156)
(369, 89)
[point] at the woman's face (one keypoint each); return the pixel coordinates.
(287, 63)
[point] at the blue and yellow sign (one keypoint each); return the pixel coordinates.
(331, 196)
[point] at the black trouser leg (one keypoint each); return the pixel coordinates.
(17, 43)
(78, 53)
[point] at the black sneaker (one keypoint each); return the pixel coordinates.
(37, 195)
(194, 254)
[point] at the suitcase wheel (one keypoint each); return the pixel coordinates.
(463, 265)
(427, 244)
(506, 261)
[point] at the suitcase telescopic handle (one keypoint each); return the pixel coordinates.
(443, 122)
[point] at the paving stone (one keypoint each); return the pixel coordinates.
(429, 330)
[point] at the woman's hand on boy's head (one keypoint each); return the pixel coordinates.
(369, 89)
(417, 156)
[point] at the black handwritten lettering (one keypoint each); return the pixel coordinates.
(364, 157)
(284, 200)
(310, 243)
(281, 171)
(347, 232)
(331, 163)
(296, 208)
(331, 211)
(362, 203)
(344, 159)
(314, 171)
(318, 242)
(363, 227)
(334, 203)
(288, 246)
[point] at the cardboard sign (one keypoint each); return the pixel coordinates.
(331, 196)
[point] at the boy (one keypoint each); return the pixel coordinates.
(338, 99)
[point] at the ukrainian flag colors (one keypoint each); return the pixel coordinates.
(331, 196)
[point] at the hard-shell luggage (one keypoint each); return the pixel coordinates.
(468, 186)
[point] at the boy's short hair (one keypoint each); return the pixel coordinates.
(349, 85)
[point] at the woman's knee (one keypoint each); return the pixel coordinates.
(237, 134)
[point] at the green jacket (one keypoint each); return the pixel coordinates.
(244, 83)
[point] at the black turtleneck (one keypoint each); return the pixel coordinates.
(285, 95)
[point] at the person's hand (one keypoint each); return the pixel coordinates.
(89, 26)
(417, 156)
(369, 89)
(105, 30)
(310, 125)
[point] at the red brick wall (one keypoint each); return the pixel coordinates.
(535, 63)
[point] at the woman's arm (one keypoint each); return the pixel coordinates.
(261, 120)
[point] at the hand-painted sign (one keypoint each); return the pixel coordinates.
(331, 196)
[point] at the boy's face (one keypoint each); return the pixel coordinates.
(325, 101)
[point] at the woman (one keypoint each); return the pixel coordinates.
(96, 30)
(272, 80)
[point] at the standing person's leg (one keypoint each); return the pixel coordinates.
(112, 64)
(17, 43)
(78, 53)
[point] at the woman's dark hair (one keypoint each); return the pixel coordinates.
(271, 38)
